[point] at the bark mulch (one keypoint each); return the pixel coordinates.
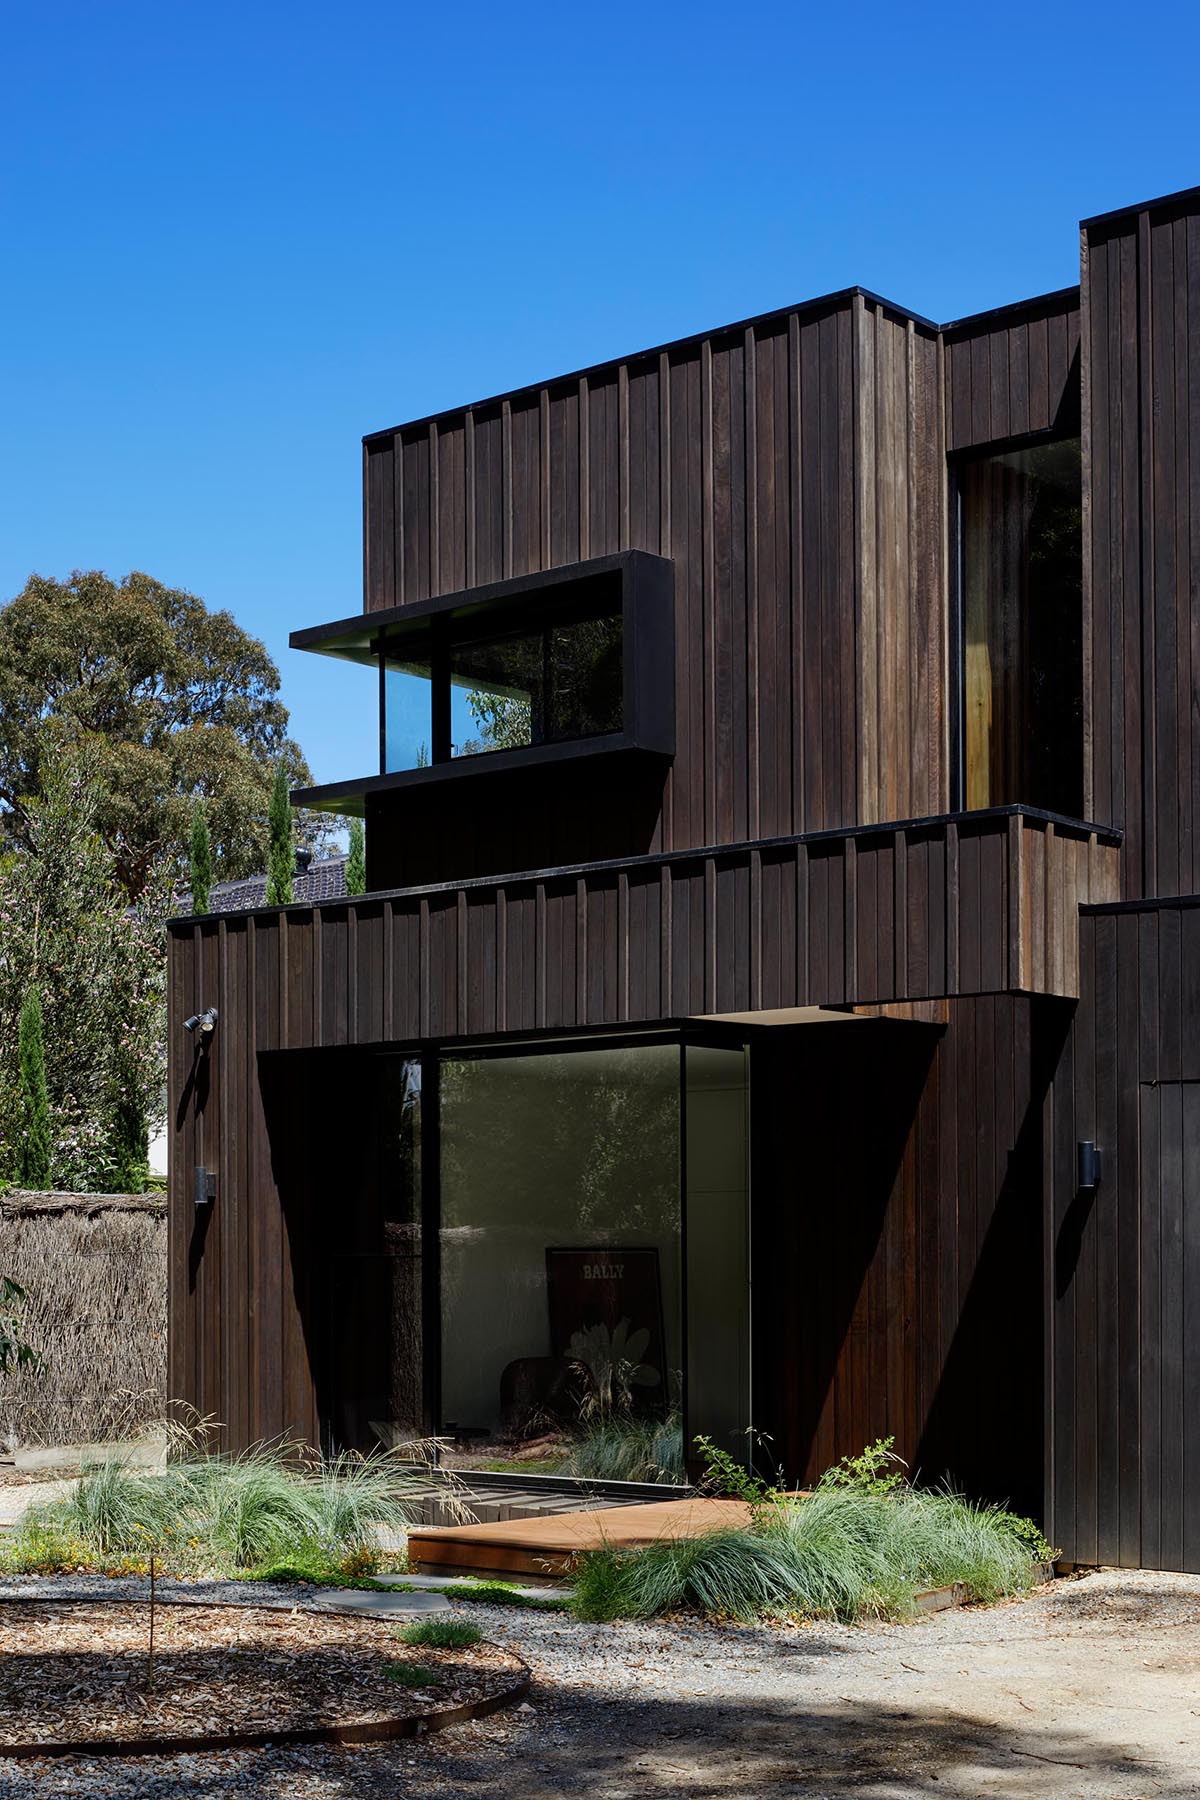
(73, 1675)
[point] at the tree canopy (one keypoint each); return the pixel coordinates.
(177, 701)
(98, 965)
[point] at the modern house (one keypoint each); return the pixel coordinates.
(778, 988)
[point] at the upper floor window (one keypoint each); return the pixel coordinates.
(465, 691)
(1021, 627)
(563, 663)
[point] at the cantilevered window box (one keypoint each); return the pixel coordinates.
(571, 662)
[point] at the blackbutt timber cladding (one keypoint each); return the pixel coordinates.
(919, 1202)
(792, 468)
(1141, 289)
(979, 903)
(1013, 372)
(1124, 1259)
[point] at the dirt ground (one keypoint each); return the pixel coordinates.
(1090, 1690)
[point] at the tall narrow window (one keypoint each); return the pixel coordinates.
(1022, 627)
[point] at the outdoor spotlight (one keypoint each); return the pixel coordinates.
(205, 1023)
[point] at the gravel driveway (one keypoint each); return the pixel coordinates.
(1089, 1689)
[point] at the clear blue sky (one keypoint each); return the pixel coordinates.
(235, 238)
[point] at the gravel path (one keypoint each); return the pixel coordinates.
(1088, 1691)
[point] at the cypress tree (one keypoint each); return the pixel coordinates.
(280, 857)
(129, 1143)
(200, 859)
(33, 1159)
(356, 862)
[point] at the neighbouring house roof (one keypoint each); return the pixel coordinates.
(323, 880)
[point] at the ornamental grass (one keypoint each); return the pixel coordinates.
(263, 1507)
(839, 1553)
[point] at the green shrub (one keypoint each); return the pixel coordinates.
(34, 1148)
(875, 1470)
(440, 1634)
(314, 1562)
(281, 855)
(621, 1447)
(356, 861)
(945, 1539)
(723, 1474)
(352, 1495)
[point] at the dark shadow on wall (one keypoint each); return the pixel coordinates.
(984, 1429)
(345, 1267)
(834, 1301)
(1068, 1245)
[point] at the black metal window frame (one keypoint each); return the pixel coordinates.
(647, 605)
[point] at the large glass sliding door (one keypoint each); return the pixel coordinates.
(541, 1255)
(561, 1297)
(594, 1255)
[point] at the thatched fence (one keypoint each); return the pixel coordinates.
(94, 1267)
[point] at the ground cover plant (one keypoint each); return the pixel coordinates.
(864, 1544)
(267, 1512)
(503, 1593)
(439, 1634)
(413, 1675)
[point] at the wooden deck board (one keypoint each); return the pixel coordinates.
(546, 1545)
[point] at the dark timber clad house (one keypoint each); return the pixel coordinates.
(783, 870)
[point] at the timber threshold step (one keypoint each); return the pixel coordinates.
(543, 1548)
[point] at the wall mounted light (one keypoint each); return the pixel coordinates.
(205, 1023)
(1088, 1163)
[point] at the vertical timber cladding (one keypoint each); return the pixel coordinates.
(778, 925)
(1013, 371)
(1141, 301)
(898, 1260)
(792, 469)
(1124, 1274)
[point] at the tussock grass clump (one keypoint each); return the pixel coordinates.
(264, 1508)
(741, 1574)
(841, 1554)
(440, 1634)
(623, 1448)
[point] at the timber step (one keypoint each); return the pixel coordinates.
(542, 1548)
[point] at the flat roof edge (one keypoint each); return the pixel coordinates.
(1035, 303)
(1128, 212)
(839, 296)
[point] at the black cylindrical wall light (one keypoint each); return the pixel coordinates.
(1087, 1164)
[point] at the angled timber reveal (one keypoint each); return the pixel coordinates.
(781, 866)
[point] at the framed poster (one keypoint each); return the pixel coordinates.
(601, 1288)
